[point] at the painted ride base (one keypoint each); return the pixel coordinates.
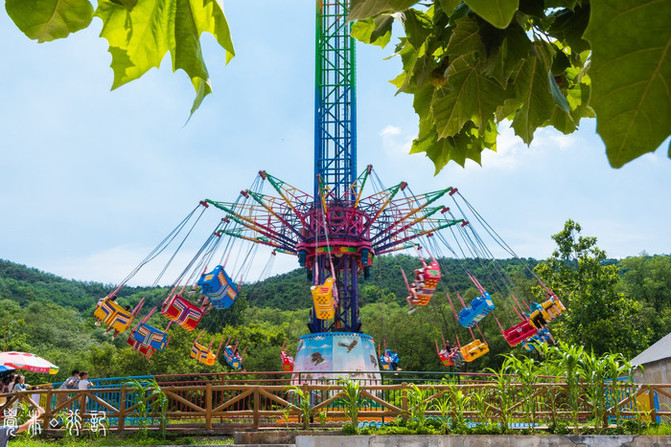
(329, 355)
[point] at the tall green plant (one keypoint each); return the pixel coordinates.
(570, 357)
(157, 403)
(139, 392)
(526, 371)
(418, 403)
(352, 400)
(304, 404)
(505, 393)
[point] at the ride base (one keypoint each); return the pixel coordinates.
(329, 355)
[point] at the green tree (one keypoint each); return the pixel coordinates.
(647, 279)
(598, 317)
(472, 64)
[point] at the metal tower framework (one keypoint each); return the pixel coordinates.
(335, 100)
(336, 230)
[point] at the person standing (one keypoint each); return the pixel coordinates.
(71, 382)
(83, 385)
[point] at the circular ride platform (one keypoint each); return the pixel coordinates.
(323, 355)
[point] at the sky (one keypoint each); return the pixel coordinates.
(92, 180)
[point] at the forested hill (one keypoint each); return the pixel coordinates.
(52, 316)
(25, 285)
(286, 291)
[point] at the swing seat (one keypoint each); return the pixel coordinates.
(553, 307)
(431, 279)
(535, 315)
(113, 316)
(182, 312)
(147, 351)
(219, 288)
(322, 298)
(203, 354)
(446, 360)
(389, 360)
(478, 309)
(542, 337)
(233, 360)
(147, 335)
(474, 350)
(287, 361)
(518, 333)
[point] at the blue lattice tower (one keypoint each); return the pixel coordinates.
(335, 100)
(335, 164)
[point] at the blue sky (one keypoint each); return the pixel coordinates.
(92, 179)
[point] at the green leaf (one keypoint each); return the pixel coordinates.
(46, 20)
(362, 9)
(140, 38)
(531, 87)
(465, 38)
(569, 27)
(449, 5)
(558, 96)
(417, 27)
(507, 59)
(497, 12)
(128, 4)
(631, 73)
(467, 96)
(376, 31)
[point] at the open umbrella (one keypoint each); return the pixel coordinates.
(27, 361)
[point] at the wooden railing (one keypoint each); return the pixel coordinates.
(232, 407)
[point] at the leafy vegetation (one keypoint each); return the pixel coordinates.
(536, 63)
(469, 65)
(139, 32)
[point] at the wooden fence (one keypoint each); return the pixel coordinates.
(225, 408)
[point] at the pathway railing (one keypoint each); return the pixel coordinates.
(229, 407)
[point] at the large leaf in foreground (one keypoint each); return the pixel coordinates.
(362, 9)
(45, 20)
(139, 38)
(631, 75)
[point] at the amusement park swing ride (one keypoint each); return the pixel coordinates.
(335, 232)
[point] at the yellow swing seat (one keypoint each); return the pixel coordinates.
(322, 297)
(474, 350)
(203, 354)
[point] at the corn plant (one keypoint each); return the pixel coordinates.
(304, 404)
(505, 393)
(352, 400)
(418, 403)
(525, 369)
(549, 367)
(569, 361)
(157, 403)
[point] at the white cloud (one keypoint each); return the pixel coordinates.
(390, 131)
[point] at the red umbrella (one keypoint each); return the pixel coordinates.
(27, 361)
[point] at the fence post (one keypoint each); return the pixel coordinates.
(122, 409)
(208, 406)
(46, 418)
(651, 404)
(404, 401)
(257, 406)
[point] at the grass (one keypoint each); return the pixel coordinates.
(663, 429)
(118, 441)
